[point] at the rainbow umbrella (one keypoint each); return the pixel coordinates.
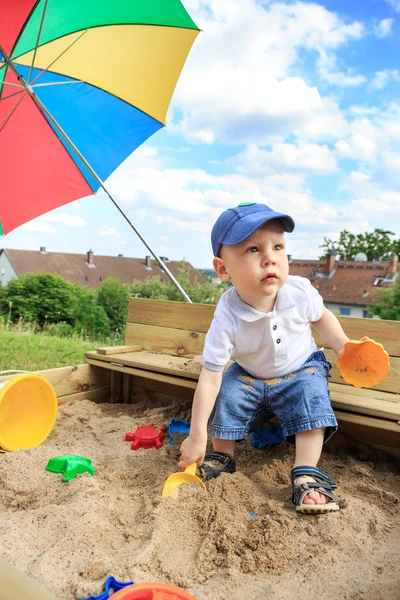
(82, 84)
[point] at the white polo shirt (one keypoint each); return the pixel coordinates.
(266, 345)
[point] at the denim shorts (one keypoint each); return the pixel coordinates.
(299, 400)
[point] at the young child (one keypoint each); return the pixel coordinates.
(263, 324)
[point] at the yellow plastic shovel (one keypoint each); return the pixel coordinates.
(177, 479)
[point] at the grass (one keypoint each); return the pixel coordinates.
(28, 351)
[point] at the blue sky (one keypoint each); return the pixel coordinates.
(295, 104)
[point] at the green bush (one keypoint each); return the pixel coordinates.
(89, 318)
(37, 298)
(388, 304)
(113, 296)
(155, 288)
(61, 330)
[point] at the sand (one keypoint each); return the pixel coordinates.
(71, 536)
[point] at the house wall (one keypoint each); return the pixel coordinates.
(6, 270)
(355, 311)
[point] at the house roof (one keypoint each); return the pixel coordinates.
(75, 268)
(348, 282)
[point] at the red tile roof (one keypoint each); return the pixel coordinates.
(350, 282)
(76, 269)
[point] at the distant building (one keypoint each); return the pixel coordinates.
(348, 287)
(87, 269)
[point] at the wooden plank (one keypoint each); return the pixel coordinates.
(165, 389)
(393, 451)
(97, 395)
(78, 378)
(369, 394)
(126, 388)
(384, 408)
(372, 402)
(385, 332)
(179, 381)
(116, 386)
(167, 340)
(369, 429)
(391, 383)
(366, 421)
(118, 349)
(181, 315)
(164, 313)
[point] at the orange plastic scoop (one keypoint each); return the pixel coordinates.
(363, 363)
(177, 479)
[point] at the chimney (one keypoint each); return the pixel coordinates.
(147, 262)
(43, 249)
(89, 257)
(290, 260)
(120, 255)
(393, 264)
(330, 261)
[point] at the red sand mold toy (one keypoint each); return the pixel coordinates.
(147, 436)
(152, 591)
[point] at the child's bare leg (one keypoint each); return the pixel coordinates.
(308, 452)
(226, 446)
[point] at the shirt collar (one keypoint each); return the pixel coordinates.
(284, 300)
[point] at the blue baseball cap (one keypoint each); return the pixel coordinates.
(237, 224)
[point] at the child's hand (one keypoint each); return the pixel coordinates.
(192, 451)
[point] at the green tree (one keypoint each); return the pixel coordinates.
(89, 318)
(378, 243)
(388, 304)
(38, 297)
(155, 288)
(113, 296)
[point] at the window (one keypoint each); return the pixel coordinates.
(344, 311)
(379, 280)
(367, 314)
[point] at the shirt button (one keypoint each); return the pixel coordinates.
(275, 327)
(278, 341)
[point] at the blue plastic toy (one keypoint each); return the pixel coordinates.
(111, 585)
(177, 426)
(267, 436)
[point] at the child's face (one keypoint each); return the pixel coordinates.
(258, 267)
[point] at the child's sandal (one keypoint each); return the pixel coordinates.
(227, 462)
(323, 484)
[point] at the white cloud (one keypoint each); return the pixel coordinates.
(394, 4)
(374, 201)
(165, 238)
(165, 250)
(238, 84)
(37, 227)
(191, 199)
(384, 28)
(357, 147)
(363, 110)
(308, 157)
(64, 219)
(383, 78)
(105, 230)
(327, 68)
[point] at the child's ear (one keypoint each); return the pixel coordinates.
(220, 269)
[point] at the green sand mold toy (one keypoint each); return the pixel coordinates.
(71, 465)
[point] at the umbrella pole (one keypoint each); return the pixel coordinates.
(162, 265)
(41, 106)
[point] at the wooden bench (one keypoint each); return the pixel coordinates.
(164, 341)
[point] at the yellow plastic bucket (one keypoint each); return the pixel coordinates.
(28, 411)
